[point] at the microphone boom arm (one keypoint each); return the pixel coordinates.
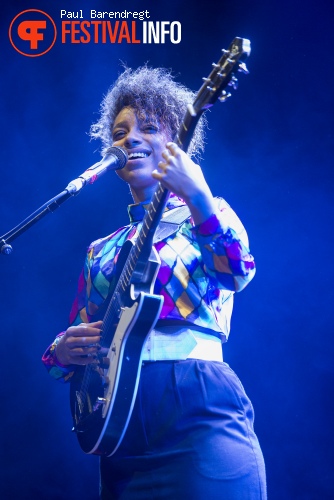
(48, 207)
(114, 159)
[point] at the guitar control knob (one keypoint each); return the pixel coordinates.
(105, 362)
(105, 382)
(101, 401)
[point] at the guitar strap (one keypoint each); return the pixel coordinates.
(171, 222)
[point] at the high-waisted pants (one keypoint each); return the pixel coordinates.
(190, 437)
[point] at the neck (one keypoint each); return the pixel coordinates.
(142, 194)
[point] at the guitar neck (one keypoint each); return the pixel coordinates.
(187, 128)
(142, 248)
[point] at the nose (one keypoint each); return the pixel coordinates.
(133, 138)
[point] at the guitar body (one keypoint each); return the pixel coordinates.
(101, 410)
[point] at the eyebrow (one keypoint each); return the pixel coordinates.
(123, 124)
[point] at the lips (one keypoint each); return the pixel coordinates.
(135, 155)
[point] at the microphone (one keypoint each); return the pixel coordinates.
(114, 159)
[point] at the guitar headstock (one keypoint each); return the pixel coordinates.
(222, 75)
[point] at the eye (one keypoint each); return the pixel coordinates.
(149, 128)
(118, 134)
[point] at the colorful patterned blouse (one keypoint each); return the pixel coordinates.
(201, 268)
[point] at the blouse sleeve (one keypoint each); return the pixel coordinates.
(87, 300)
(224, 246)
(53, 365)
(77, 315)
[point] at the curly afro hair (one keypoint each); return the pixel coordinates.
(154, 96)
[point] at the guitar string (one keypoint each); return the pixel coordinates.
(123, 283)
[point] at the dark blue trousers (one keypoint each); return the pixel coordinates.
(190, 437)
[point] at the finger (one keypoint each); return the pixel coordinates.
(85, 342)
(85, 360)
(163, 166)
(158, 175)
(166, 155)
(96, 324)
(173, 148)
(83, 330)
(83, 351)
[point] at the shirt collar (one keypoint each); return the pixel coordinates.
(137, 211)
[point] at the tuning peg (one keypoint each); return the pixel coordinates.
(243, 68)
(224, 96)
(233, 82)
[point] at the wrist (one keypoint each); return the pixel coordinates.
(57, 356)
(201, 206)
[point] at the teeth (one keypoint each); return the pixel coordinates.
(138, 155)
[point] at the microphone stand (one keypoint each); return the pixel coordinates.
(48, 207)
(114, 159)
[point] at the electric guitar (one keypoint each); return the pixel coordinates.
(102, 396)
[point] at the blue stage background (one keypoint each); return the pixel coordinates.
(269, 153)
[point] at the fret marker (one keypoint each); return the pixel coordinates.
(191, 110)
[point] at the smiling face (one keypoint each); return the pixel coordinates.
(144, 142)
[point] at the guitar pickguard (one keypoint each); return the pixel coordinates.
(116, 353)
